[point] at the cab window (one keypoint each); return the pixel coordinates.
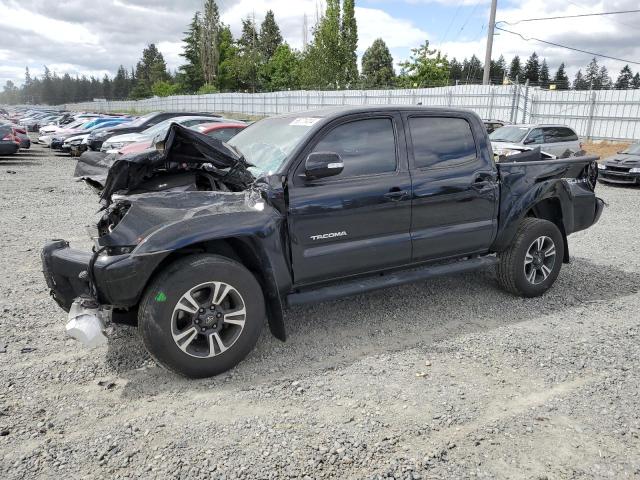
(367, 147)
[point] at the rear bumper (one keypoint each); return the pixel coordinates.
(8, 148)
(599, 208)
(119, 280)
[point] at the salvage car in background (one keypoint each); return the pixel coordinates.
(622, 168)
(9, 142)
(310, 207)
(142, 123)
(557, 140)
(493, 125)
(113, 144)
(222, 131)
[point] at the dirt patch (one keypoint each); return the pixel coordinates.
(604, 149)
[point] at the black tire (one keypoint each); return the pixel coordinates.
(514, 275)
(159, 315)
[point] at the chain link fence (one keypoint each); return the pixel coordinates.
(597, 115)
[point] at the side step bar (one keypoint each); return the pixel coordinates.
(368, 284)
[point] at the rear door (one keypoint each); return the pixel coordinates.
(357, 221)
(455, 188)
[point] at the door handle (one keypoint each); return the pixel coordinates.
(482, 181)
(396, 194)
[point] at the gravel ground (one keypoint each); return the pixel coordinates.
(451, 378)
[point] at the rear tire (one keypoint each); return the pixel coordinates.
(533, 261)
(201, 315)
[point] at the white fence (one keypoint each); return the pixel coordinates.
(605, 114)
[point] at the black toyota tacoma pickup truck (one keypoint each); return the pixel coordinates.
(311, 207)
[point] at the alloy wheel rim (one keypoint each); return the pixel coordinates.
(208, 319)
(539, 260)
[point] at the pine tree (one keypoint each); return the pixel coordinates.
(150, 69)
(624, 79)
(11, 93)
(349, 44)
(635, 83)
(270, 37)
(515, 70)
(209, 47)
(27, 87)
(120, 87)
(455, 71)
(592, 75)
(560, 79)
(377, 66)
(580, 82)
(498, 70)
(472, 70)
(227, 79)
(604, 80)
(106, 87)
(193, 77)
(532, 69)
(48, 94)
(250, 57)
(543, 79)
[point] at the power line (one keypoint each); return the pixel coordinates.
(572, 16)
(610, 19)
(528, 39)
(455, 15)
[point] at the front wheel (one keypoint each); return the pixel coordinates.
(202, 315)
(533, 261)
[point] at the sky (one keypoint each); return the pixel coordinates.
(94, 37)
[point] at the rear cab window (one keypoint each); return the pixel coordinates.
(441, 142)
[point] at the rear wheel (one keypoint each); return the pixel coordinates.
(533, 261)
(202, 315)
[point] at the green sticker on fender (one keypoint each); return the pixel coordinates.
(161, 297)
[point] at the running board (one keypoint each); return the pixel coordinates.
(368, 284)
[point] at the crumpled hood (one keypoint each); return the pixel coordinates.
(621, 160)
(147, 213)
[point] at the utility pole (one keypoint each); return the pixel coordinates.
(487, 57)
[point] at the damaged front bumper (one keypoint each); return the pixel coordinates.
(113, 280)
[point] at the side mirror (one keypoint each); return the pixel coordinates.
(528, 141)
(323, 164)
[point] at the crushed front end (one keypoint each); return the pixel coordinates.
(106, 284)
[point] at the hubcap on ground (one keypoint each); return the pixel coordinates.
(208, 319)
(539, 260)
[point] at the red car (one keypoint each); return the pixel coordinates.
(9, 142)
(221, 131)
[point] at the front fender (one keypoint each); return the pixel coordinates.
(263, 233)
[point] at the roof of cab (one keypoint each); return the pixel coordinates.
(338, 111)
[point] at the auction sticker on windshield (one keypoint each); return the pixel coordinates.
(304, 121)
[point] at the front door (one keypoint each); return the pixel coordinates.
(455, 189)
(357, 221)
